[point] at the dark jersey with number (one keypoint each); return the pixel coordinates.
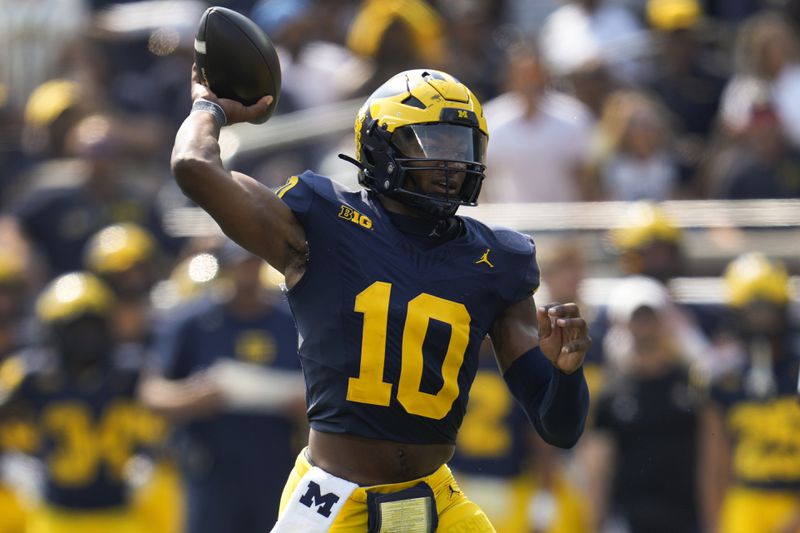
(495, 439)
(85, 430)
(762, 417)
(390, 332)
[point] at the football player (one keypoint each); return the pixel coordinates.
(126, 257)
(76, 393)
(751, 451)
(392, 294)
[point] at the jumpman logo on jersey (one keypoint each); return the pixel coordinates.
(485, 259)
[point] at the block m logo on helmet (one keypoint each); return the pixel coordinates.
(314, 497)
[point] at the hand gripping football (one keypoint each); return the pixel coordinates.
(236, 59)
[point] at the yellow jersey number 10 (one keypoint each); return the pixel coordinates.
(369, 387)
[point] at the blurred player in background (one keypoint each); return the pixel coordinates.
(393, 295)
(126, 257)
(751, 461)
(228, 375)
(77, 393)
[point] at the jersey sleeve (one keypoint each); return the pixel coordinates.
(298, 193)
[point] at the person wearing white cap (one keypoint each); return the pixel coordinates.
(640, 455)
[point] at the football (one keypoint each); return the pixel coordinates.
(236, 59)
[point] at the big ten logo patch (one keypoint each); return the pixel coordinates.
(255, 346)
(348, 213)
(314, 497)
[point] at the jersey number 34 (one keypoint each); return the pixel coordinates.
(369, 387)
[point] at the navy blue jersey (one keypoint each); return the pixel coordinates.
(86, 429)
(389, 332)
(253, 449)
(765, 431)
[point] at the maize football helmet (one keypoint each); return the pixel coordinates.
(752, 277)
(118, 247)
(421, 120)
(644, 223)
(72, 296)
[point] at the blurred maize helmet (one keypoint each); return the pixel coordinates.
(643, 224)
(752, 277)
(75, 310)
(119, 247)
(649, 242)
(422, 120)
(758, 290)
(121, 254)
(673, 15)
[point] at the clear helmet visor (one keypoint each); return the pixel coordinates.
(448, 142)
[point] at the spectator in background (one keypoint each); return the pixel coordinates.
(229, 376)
(764, 165)
(40, 40)
(767, 70)
(582, 32)
(313, 71)
(396, 35)
(636, 162)
(686, 82)
(751, 425)
(590, 84)
(76, 391)
(61, 213)
(474, 53)
(641, 456)
(540, 138)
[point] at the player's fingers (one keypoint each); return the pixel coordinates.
(545, 328)
(572, 325)
(564, 310)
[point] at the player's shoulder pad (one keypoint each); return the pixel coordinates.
(506, 239)
(514, 241)
(300, 191)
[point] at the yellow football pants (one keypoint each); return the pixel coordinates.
(456, 513)
(756, 511)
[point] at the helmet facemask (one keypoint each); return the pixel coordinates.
(449, 156)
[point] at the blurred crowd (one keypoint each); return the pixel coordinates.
(134, 360)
